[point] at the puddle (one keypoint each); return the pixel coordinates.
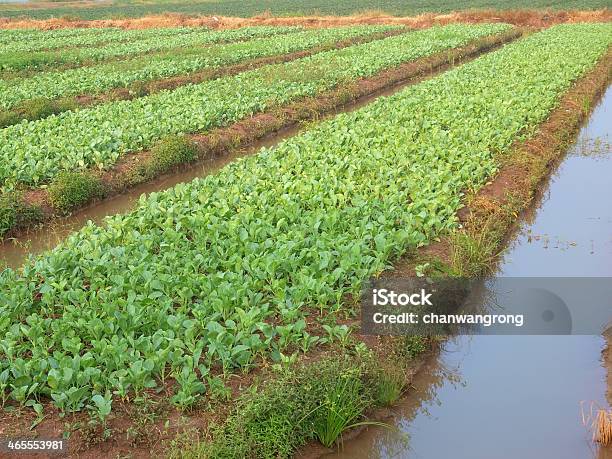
(520, 396)
(13, 252)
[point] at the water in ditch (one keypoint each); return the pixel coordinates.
(521, 396)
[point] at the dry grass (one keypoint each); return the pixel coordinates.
(602, 432)
(523, 18)
(599, 421)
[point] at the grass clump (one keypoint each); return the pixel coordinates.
(317, 401)
(138, 89)
(9, 118)
(389, 386)
(71, 190)
(170, 152)
(35, 109)
(475, 248)
(603, 427)
(344, 402)
(14, 213)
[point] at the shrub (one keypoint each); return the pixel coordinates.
(64, 105)
(35, 109)
(71, 190)
(138, 89)
(170, 152)
(7, 215)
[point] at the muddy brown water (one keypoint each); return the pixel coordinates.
(521, 396)
(14, 251)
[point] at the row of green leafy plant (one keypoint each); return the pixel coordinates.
(10, 35)
(68, 33)
(100, 78)
(46, 40)
(72, 190)
(224, 271)
(20, 60)
(33, 153)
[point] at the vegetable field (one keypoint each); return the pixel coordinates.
(223, 272)
(96, 79)
(35, 152)
(126, 43)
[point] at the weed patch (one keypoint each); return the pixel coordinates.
(14, 213)
(71, 190)
(171, 152)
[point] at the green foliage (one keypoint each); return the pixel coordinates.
(101, 134)
(71, 190)
(190, 388)
(170, 152)
(29, 40)
(317, 401)
(102, 406)
(126, 43)
(14, 213)
(134, 73)
(217, 271)
(414, 346)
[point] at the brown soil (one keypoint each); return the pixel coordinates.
(523, 18)
(131, 433)
(220, 142)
